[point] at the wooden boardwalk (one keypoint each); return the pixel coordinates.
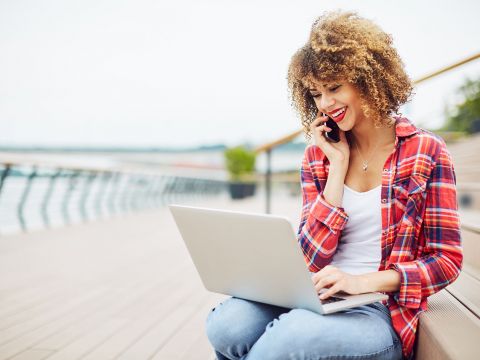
(122, 288)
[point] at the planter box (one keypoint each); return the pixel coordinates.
(241, 190)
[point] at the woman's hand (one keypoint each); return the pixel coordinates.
(335, 152)
(336, 280)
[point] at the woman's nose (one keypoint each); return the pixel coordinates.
(326, 102)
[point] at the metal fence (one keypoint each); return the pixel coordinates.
(37, 196)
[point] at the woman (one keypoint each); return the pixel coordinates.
(379, 208)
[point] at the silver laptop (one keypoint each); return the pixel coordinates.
(255, 257)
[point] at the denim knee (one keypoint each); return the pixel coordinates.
(279, 342)
(228, 331)
(235, 325)
(301, 334)
(218, 329)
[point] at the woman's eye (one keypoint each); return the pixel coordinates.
(335, 88)
(316, 95)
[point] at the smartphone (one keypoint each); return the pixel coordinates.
(334, 135)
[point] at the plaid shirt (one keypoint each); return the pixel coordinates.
(420, 223)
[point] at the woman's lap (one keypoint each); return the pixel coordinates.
(247, 330)
(236, 324)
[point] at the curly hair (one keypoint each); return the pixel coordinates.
(346, 47)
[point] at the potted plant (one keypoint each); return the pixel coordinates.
(240, 163)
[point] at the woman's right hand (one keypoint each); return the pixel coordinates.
(338, 153)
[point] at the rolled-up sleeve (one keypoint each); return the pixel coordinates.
(321, 223)
(442, 257)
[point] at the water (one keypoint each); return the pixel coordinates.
(101, 198)
(81, 205)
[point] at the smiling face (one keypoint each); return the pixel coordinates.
(340, 101)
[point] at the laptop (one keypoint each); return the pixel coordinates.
(255, 257)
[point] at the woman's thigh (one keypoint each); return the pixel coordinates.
(360, 333)
(235, 325)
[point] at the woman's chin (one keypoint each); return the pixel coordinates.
(345, 126)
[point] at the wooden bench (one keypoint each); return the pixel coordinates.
(450, 328)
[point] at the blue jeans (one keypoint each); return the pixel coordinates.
(249, 330)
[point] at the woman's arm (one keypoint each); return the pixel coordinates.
(333, 192)
(383, 281)
(442, 256)
(322, 219)
(337, 280)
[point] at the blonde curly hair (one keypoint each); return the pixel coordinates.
(346, 47)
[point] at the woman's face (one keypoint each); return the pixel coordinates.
(340, 101)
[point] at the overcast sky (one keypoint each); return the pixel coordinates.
(192, 72)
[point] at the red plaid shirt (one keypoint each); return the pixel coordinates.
(420, 223)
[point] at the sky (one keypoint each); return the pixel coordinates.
(186, 73)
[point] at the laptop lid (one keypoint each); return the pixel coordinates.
(251, 256)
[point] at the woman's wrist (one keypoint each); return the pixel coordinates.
(383, 281)
(340, 167)
(339, 164)
(333, 191)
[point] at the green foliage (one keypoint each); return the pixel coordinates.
(466, 116)
(239, 162)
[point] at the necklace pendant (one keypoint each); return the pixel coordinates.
(365, 166)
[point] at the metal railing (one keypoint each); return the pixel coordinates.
(36, 195)
(268, 148)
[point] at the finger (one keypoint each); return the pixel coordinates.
(321, 274)
(326, 275)
(326, 282)
(319, 119)
(320, 138)
(321, 130)
(330, 292)
(322, 116)
(328, 269)
(318, 275)
(318, 126)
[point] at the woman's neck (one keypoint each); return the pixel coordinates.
(369, 138)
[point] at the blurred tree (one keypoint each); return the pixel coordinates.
(465, 117)
(240, 161)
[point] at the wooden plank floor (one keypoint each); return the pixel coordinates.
(120, 288)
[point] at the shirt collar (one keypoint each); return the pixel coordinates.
(404, 127)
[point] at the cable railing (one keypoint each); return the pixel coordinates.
(36, 194)
(268, 148)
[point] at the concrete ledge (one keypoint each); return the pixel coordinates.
(447, 330)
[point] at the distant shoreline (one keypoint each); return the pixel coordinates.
(295, 146)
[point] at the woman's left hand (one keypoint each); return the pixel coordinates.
(336, 280)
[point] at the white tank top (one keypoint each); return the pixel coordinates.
(359, 250)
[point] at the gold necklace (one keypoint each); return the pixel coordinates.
(365, 162)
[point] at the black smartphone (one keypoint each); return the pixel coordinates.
(334, 135)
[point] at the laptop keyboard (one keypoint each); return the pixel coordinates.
(330, 300)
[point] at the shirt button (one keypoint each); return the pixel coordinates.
(384, 201)
(385, 170)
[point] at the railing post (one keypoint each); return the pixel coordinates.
(112, 195)
(4, 175)
(21, 205)
(268, 180)
(71, 184)
(156, 195)
(125, 192)
(102, 190)
(82, 205)
(168, 189)
(46, 198)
